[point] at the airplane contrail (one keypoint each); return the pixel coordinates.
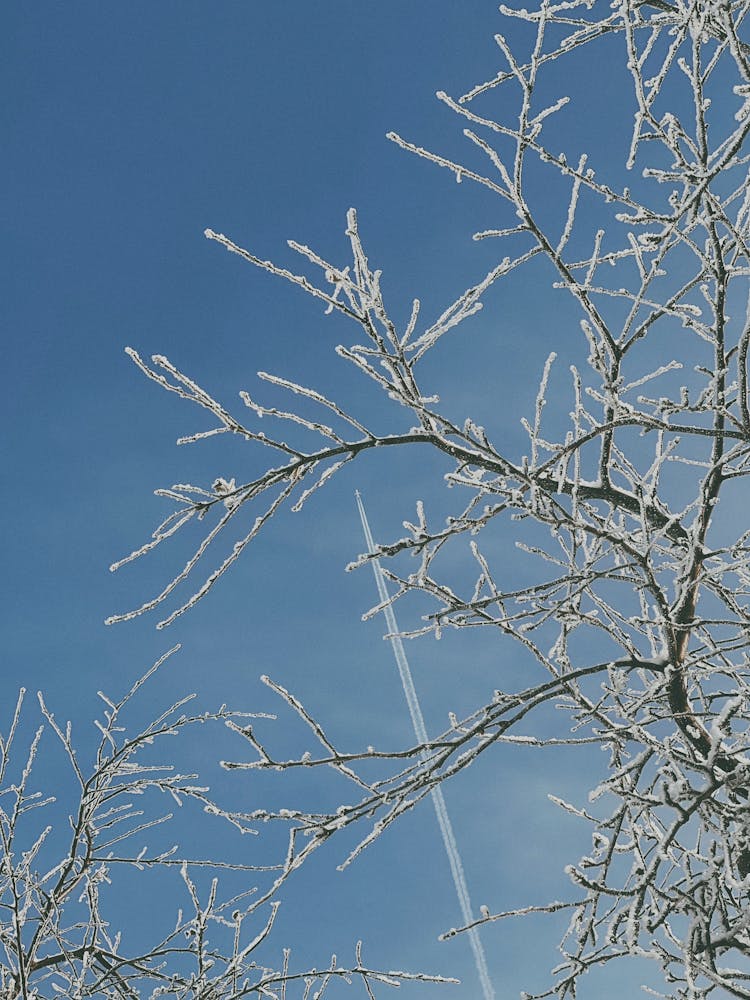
(415, 711)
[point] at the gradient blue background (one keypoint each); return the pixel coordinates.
(128, 129)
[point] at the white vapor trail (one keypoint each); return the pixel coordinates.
(446, 830)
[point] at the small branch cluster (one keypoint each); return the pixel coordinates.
(61, 900)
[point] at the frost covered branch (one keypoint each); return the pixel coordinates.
(65, 924)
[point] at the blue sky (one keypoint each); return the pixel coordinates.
(130, 129)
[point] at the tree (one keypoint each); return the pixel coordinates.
(65, 925)
(632, 608)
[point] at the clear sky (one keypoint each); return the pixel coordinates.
(128, 128)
